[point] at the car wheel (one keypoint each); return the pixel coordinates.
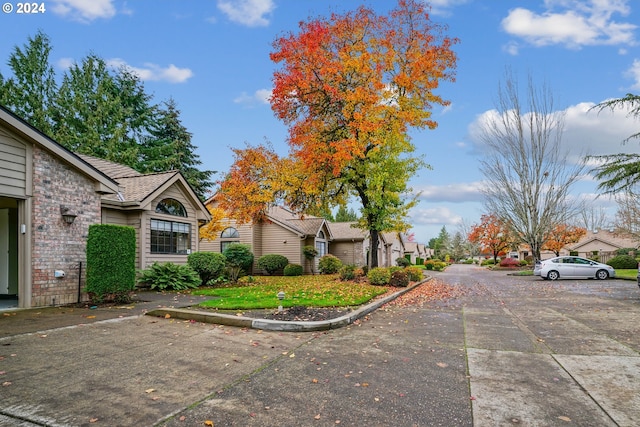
(602, 274)
(553, 275)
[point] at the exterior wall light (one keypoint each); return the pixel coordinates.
(67, 214)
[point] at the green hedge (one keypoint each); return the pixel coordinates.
(293, 270)
(111, 262)
(271, 263)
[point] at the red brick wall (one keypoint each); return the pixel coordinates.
(57, 245)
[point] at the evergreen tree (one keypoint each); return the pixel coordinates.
(101, 114)
(346, 215)
(30, 91)
(168, 147)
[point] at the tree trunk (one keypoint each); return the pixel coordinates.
(373, 248)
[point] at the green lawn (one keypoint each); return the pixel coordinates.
(630, 274)
(308, 291)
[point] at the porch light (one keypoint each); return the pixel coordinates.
(67, 214)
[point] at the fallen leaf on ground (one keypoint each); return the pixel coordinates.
(167, 316)
(208, 423)
(442, 364)
(317, 417)
(150, 390)
(563, 418)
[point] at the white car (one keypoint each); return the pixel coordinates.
(573, 267)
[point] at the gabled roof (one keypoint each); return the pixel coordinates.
(347, 231)
(104, 184)
(604, 236)
(137, 189)
(305, 226)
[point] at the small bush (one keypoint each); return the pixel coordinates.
(623, 262)
(169, 276)
(209, 265)
(293, 270)
(403, 262)
(488, 261)
(414, 273)
(523, 263)
(399, 279)
(509, 262)
(239, 260)
(440, 265)
(379, 276)
(272, 262)
(347, 272)
(329, 264)
(429, 264)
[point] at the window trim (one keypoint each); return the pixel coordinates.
(174, 239)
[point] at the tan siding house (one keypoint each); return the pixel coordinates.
(41, 182)
(283, 233)
(350, 244)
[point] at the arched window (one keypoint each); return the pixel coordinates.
(228, 236)
(229, 233)
(170, 237)
(171, 207)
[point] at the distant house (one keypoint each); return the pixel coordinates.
(48, 198)
(391, 248)
(282, 232)
(602, 244)
(350, 244)
(599, 243)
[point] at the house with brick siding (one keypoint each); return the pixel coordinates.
(48, 198)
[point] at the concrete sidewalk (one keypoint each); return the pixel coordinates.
(512, 351)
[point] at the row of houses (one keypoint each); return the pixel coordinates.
(595, 244)
(49, 196)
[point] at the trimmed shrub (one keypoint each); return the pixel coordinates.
(399, 279)
(414, 273)
(169, 276)
(329, 264)
(509, 262)
(428, 264)
(208, 265)
(440, 265)
(239, 260)
(347, 272)
(488, 261)
(625, 251)
(403, 262)
(272, 262)
(623, 261)
(379, 276)
(111, 262)
(310, 253)
(293, 270)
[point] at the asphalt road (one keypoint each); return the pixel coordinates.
(511, 351)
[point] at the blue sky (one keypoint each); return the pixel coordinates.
(212, 57)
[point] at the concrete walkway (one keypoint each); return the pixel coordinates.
(512, 351)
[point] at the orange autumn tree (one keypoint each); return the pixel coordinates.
(492, 235)
(212, 229)
(561, 236)
(349, 88)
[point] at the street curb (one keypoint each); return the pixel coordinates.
(278, 325)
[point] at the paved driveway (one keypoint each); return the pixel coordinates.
(512, 351)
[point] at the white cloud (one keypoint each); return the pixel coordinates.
(577, 23)
(586, 131)
(65, 63)
(84, 10)
(440, 215)
(252, 13)
(442, 7)
(154, 72)
(634, 73)
(454, 193)
(260, 96)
